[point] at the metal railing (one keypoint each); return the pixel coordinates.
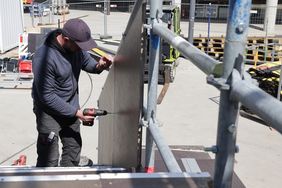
(115, 6)
(218, 12)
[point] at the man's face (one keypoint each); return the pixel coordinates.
(70, 46)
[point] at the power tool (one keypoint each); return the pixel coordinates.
(93, 112)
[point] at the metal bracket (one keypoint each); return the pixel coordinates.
(144, 123)
(148, 26)
(219, 83)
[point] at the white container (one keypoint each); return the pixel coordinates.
(11, 24)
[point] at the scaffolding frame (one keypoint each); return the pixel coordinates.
(227, 77)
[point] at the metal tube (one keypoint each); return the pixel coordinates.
(204, 62)
(154, 59)
(165, 151)
(156, 9)
(191, 20)
(270, 16)
(105, 21)
(53, 11)
(238, 22)
(32, 16)
(106, 13)
(105, 17)
(279, 85)
(258, 101)
(209, 27)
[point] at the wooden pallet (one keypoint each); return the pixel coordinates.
(256, 49)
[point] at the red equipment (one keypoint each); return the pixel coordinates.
(25, 66)
(21, 161)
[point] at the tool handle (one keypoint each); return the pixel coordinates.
(94, 112)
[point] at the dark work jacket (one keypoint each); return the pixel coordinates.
(56, 75)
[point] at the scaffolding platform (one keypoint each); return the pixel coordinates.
(193, 159)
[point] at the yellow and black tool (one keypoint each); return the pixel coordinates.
(100, 53)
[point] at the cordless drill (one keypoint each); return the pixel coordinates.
(92, 112)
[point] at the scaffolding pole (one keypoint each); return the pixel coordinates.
(191, 20)
(237, 27)
(204, 62)
(166, 154)
(258, 101)
(154, 59)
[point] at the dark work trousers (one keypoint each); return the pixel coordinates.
(68, 130)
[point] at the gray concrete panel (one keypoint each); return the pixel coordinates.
(123, 95)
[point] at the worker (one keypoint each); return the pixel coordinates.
(56, 66)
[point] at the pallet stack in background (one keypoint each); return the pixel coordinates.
(258, 49)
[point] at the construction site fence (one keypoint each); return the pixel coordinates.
(216, 12)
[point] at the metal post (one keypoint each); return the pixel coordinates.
(32, 15)
(270, 16)
(265, 42)
(53, 11)
(238, 22)
(105, 23)
(154, 59)
(191, 20)
(279, 85)
(272, 53)
(209, 26)
(50, 11)
(106, 13)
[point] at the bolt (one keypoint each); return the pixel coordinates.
(240, 28)
(232, 128)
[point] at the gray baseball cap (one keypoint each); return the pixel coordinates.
(78, 31)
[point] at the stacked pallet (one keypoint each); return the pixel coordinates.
(258, 50)
(213, 47)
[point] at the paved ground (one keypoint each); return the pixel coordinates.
(188, 114)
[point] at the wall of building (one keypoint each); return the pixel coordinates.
(11, 24)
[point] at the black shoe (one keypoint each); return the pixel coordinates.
(85, 161)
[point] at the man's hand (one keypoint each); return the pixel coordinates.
(104, 62)
(82, 117)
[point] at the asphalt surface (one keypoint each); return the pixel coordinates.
(188, 112)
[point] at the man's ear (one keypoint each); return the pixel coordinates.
(66, 38)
